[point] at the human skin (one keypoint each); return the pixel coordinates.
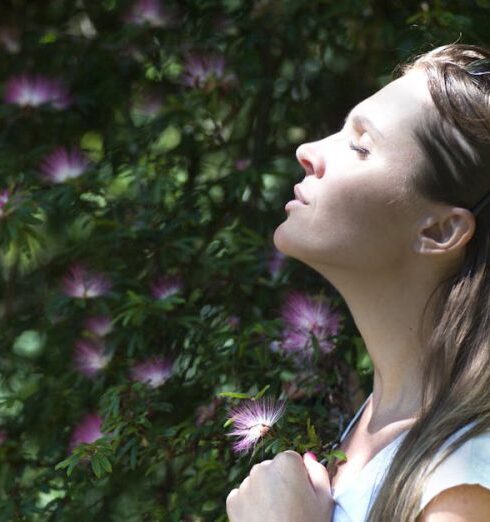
(385, 248)
(382, 245)
(287, 488)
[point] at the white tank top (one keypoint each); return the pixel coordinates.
(469, 464)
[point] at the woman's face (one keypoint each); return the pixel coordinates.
(361, 211)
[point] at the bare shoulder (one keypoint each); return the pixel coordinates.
(462, 503)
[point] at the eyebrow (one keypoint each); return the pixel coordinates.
(365, 122)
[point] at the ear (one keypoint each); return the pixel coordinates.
(445, 232)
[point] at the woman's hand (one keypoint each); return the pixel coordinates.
(288, 488)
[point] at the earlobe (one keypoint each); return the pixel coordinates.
(445, 233)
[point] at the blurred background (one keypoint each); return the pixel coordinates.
(147, 149)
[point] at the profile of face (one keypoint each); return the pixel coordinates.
(361, 211)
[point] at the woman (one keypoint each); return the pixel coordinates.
(394, 211)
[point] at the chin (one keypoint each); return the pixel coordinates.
(286, 242)
(292, 244)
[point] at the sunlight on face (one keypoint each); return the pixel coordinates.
(358, 184)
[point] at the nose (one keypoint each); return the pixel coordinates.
(311, 159)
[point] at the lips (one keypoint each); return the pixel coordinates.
(299, 195)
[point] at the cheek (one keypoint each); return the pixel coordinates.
(359, 222)
(359, 217)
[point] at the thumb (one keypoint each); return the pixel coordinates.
(318, 474)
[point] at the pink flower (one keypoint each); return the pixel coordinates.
(242, 164)
(166, 286)
(98, 325)
(4, 199)
(207, 411)
(153, 371)
(233, 321)
(10, 39)
(301, 311)
(253, 420)
(300, 345)
(88, 430)
(63, 164)
(35, 90)
(90, 357)
(275, 263)
(206, 71)
(150, 12)
(82, 284)
(304, 317)
(147, 104)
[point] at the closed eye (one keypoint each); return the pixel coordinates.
(361, 150)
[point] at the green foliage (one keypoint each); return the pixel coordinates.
(183, 181)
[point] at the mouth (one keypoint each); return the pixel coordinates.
(299, 200)
(299, 196)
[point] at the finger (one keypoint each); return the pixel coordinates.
(260, 466)
(288, 456)
(317, 474)
(245, 482)
(291, 453)
(231, 500)
(266, 462)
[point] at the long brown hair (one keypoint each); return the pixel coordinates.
(456, 380)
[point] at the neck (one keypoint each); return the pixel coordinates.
(387, 309)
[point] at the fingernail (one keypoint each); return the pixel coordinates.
(311, 455)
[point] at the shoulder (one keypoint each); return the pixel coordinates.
(463, 503)
(459, 486)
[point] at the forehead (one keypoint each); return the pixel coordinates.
(400, 105)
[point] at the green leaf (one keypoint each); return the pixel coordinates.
(133, 456)
(64, 463)
(235, 395)
(338, 454)
(228, 422)
(310, 429)
(106, 464)
(70, 463)
(261, 392)
(97, 465)
(210, 505)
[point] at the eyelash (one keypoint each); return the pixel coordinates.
(360, 150)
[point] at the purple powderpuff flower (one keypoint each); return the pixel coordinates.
(32, 91)
(153, 371)
(301, 311)
(98, 325)
(88, 430)
(150, 12)
(4, 199)
(275, 263)
(147, 104)
(63, 164)
(207, 411)
(305, 316)
(10, 39)
(166, 286)
(205, 71)
(253, 420)
(300, 345)
(90, 356)
(242, 164)
(84, 284)
(233, 321)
